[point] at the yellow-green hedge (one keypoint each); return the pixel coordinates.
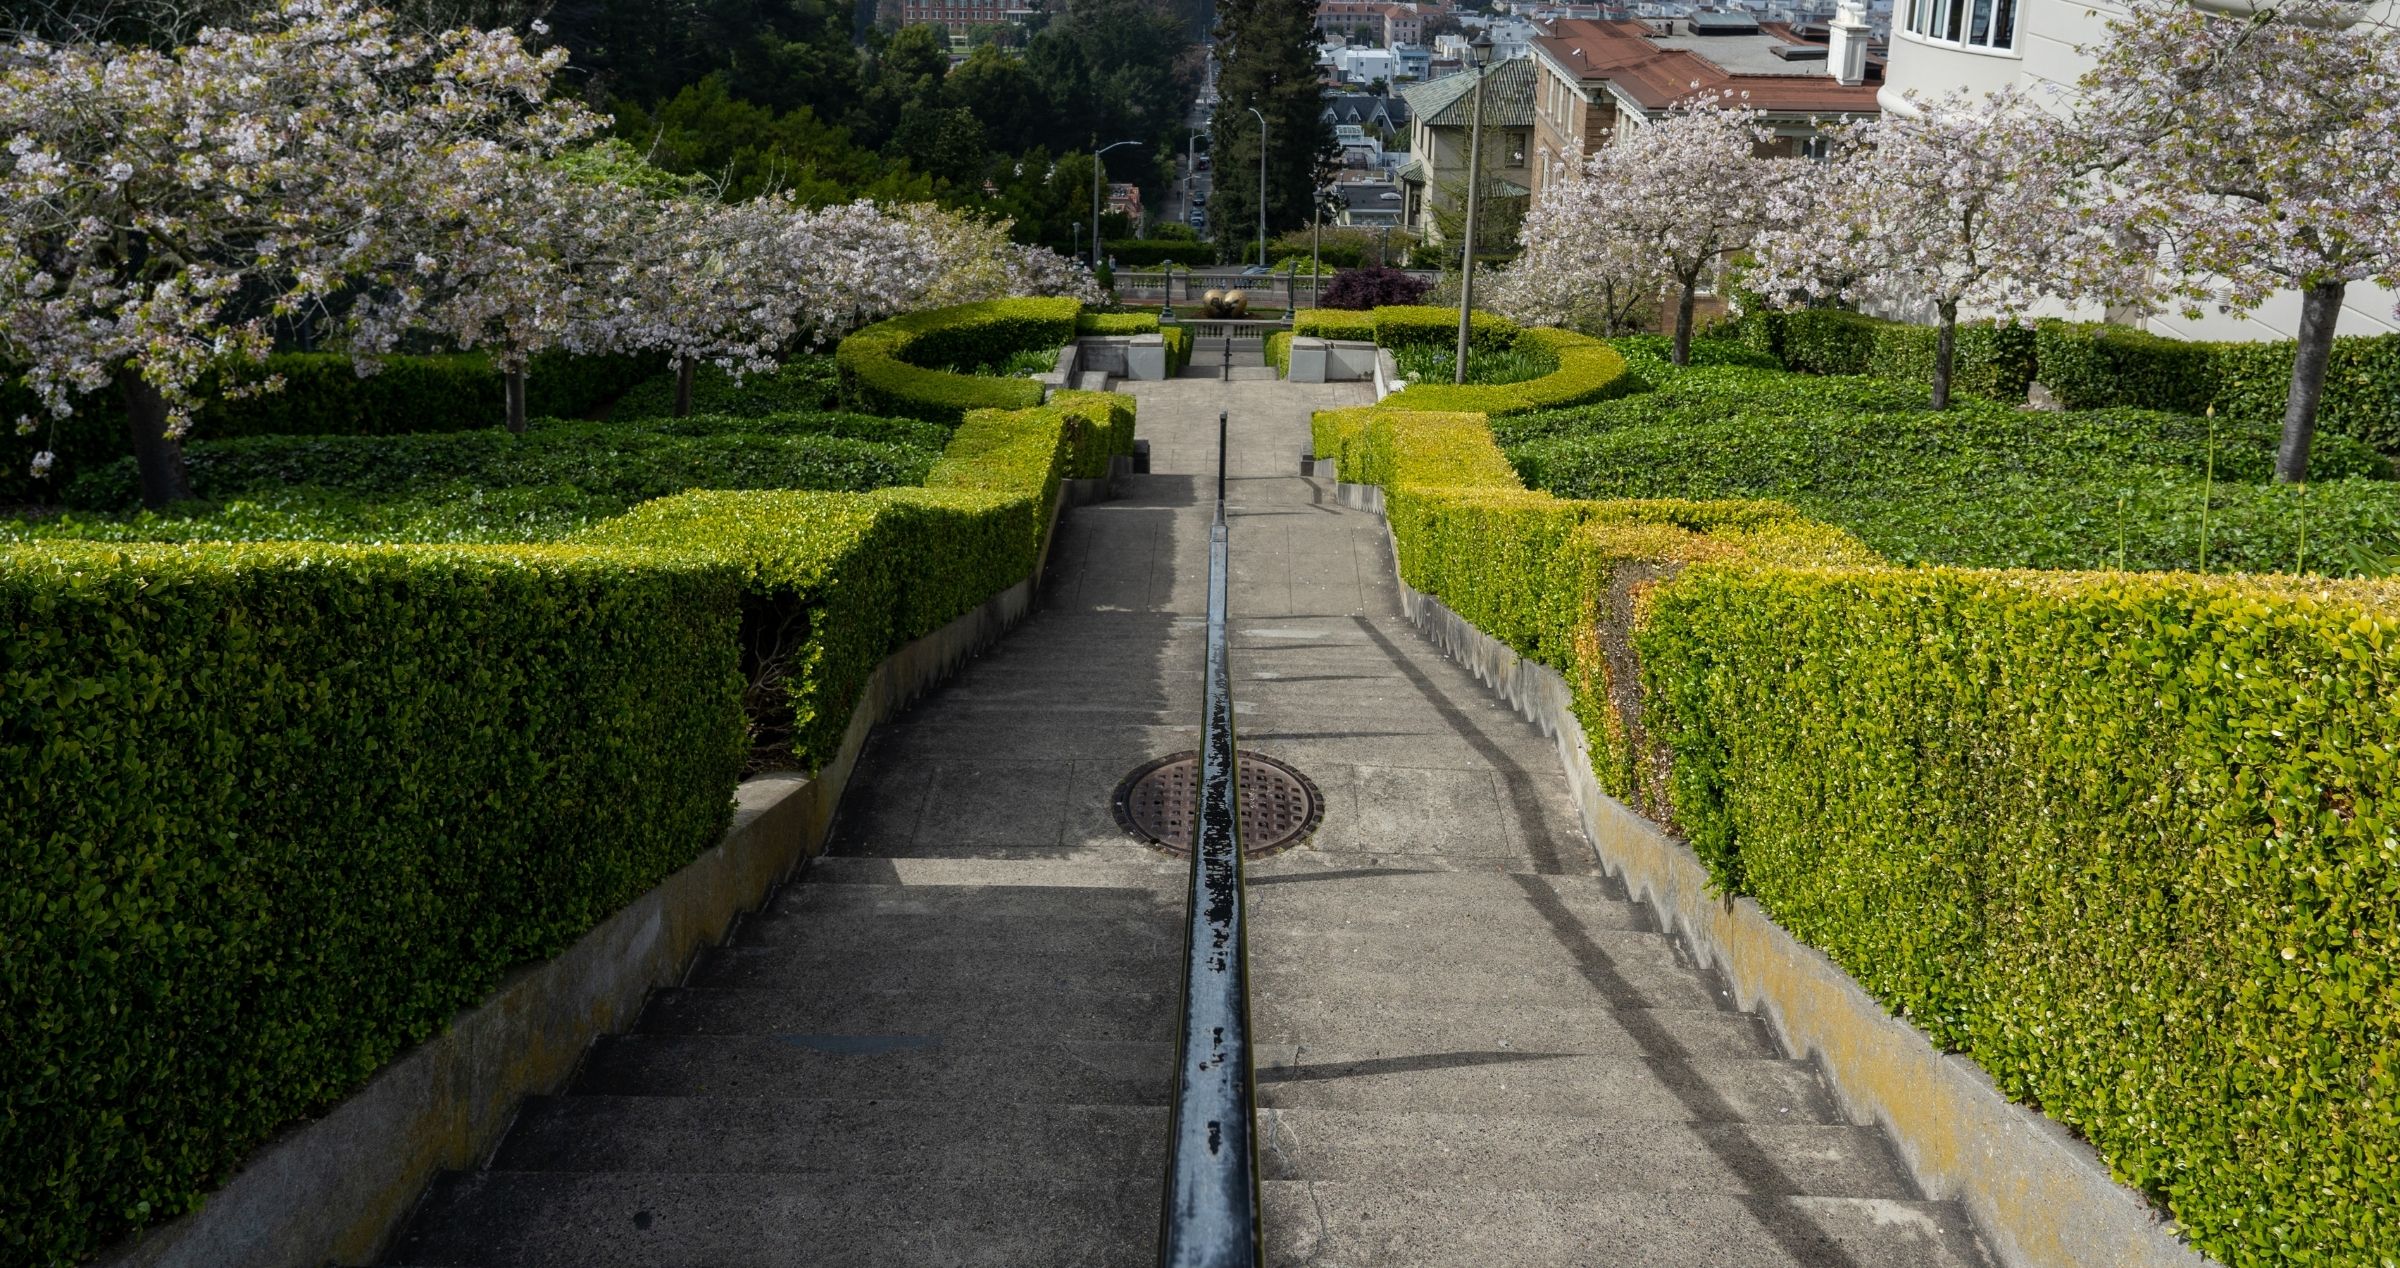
(2126, 840)
(273, 813)
(1588, 371)
(884, 366)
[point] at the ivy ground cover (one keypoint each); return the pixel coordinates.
(1979, 484)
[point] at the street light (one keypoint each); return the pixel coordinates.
(1482, 50)
(1097, 151)
(1262, 187)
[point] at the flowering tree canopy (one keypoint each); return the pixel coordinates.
(1961, 203)
(2255, 154)
(979, 261)
(1681, 193)
(160, 211)
(1576, 269)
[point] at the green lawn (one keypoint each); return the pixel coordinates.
(1980, 484)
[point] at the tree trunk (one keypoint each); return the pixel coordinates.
(2320, 309)
(1945, 351)
(513, 384)
(1683, 324)
(685, 371)
(158, 455)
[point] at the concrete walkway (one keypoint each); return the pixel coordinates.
(950, 1043)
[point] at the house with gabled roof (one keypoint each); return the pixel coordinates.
(1442, 116)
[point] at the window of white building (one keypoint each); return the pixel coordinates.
(1988, 24)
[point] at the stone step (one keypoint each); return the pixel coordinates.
(1337, 1021)
(1580, 1155)
(1062, 935)
(910, 1066)
(514, 1219)
(1441, 1079)
(829, 902)
(956, 1013)
(1351, 1224)
(1636, 971)
(1466, 901)
(1134, 872)
(1029, 964)
(964, 1141)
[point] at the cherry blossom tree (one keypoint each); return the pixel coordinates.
(738, 285)
(2262, 153)
(161, 212)
(1961, 203)
(1574, 270)
(1684, 191)
(980, 261)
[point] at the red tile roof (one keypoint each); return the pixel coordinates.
(1658, 78)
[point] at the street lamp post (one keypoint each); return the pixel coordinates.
(1262, 187)
(1482, 47)
(1097, 151)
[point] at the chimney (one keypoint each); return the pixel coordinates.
(1847, 62)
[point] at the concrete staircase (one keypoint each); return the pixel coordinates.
(949, 1042)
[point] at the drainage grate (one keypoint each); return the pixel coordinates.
(1160, 804)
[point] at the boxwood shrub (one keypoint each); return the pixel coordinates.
(883, 367)
(1588, 371)
(2087, 364)
(276, 812)
(1993, 360)
(2121, 839)
(1339, 323)
(2126, 841)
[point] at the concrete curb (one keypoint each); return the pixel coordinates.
(335, 1189)
(2040, 1198)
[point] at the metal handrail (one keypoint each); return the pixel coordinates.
(1210, 1219)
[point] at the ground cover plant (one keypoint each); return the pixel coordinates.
(556, 478)
(1983, 484)
(1429, 363)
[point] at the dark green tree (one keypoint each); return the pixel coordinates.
(1267, 60)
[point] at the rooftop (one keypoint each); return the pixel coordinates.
(1507, 97)
(1657, 71)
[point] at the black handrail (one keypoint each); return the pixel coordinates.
(1211, 1214)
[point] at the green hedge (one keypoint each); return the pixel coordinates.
(832, 583)
(276, 812)
(1400, 325)
(2087, 365)
(883, 366)
(1340, 323)
(1993, 360)
(322, 395)
(1278, 352)
(2125, 841)
(2122, 839)
(1588, 371)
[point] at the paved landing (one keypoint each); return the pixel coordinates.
(950, 1043)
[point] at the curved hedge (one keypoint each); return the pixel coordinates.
(883, 366)
(1587, 369)
(2125, 840)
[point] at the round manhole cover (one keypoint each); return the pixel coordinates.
(1160, 803)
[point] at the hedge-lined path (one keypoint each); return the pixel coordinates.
(950, 1042)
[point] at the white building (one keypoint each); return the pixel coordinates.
(1985, 45)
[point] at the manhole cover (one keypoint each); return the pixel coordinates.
(1160, 803)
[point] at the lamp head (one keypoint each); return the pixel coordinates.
(1481, 47)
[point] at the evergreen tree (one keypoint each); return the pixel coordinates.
(1267, 60)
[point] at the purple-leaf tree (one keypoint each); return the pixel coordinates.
(160, 212)
(1958, 203)
(2256, 153)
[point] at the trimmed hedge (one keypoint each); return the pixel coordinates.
(2087, 365)
(274, 813)
(883, 366)
(1278, 352)
(1178, 338)
(1588, 371)
(322, 395)
(1338, 323)
(833, 583)
(2127, 842)
(2122, 839)
(1993, 360)
(1400, 325)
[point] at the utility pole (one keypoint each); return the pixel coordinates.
(1097, 151)
(1262, 192)
(1466, 274)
